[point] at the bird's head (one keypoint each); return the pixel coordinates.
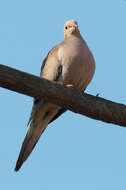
(71, 28)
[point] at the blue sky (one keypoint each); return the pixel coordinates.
(75, 152)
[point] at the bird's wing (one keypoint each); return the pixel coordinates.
(42, 112)
(51, 72)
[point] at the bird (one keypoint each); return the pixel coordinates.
(70, 63)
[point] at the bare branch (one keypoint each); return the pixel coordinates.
(68, 98)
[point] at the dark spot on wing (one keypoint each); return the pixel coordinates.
(59, 73)
(46, 114)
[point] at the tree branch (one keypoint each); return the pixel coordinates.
(68, 98)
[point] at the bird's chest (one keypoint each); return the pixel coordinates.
(73, 62)
(71, 56)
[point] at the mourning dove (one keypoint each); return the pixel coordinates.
(70, 63)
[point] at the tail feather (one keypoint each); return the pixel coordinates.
(37, 127)
(36, 105)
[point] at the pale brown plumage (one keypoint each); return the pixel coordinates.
(71, 63)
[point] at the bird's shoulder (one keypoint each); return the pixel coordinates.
(50, 53)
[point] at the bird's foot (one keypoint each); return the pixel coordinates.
(70, 86)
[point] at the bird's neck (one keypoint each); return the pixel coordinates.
(69, 35)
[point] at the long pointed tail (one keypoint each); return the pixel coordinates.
(37, 126)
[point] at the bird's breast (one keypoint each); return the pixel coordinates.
(78, 64)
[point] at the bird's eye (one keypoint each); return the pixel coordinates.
(66, 27)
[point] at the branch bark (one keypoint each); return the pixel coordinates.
(68, 98)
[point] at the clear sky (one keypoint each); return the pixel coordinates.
(75, 152)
